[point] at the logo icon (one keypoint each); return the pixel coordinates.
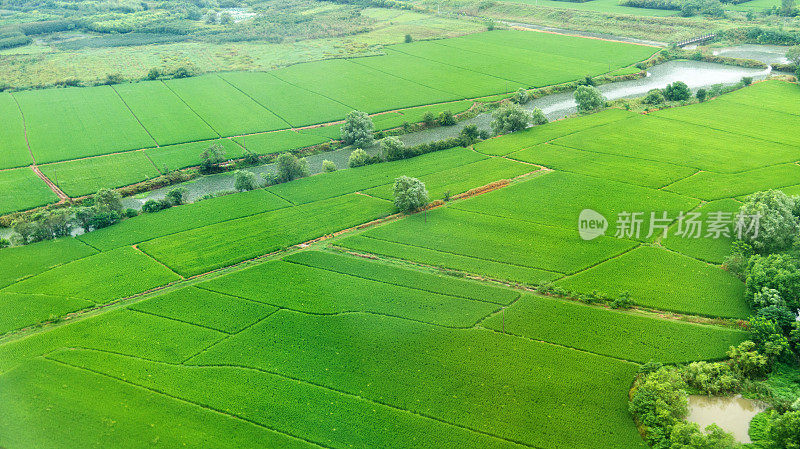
(591, 224)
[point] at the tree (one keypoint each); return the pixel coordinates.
(82, 217)
(154, 74)
(687, 435)
(747, 361)
(358, 158)
(290, 167)
(357, 129)
(429, 118)
(446, 118)
(225, 18)
(244, 180)
(677, 91)
(521, 96)
(785, 430)
(659, 402)
(778, 272)
(777, 223)
(538, 117)
(589, 99)
(654, 97)
(393, 148)
(211, 158)
(793, 54)
(701, 95)
(175, 196)
(409, 39)
(470, 134)
(787, 7)
(103, 219)
(410, 194)
(108, 200)
(747, 80)
(328, 166)
(508, 118)
(153, 205)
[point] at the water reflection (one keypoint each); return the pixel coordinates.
(732, 414)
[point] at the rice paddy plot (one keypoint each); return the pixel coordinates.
(388, 359)
(286, 140)
(320, 291)
(21, 310)
(665, 280)
(100, 278)
(86, 176)
(415, 115)
(116, 414)
(625, 169)
(77, 122)
(728, 115)
(19, 262)
(205, 308)
(22, 190)
(225, 108)
(286, 405)
(712, 186)
(393, 274)
(616, 334)
(453, 181)
(771, 94)
(505, 240)
(486, 268)
(329, 185)
(462, 83)
(360, 87)
(218, 245)
(299, 107)
(165, 116)
(182, 218)
(654, 138)
(704, 246)
(13, 145)
(182, 155)
(509, 143)
(558, 199)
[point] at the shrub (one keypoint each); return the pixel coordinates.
(624, 301)
(410, 194)
(776, 274)
(538, 117)
(393, 148)
(521, 96)
(154, 74)
(711, 378)
(785, 430)
(328, 166)
(687, 435)
(428, 118)
(244, 180)
(677, 91)
(747, 80)
(152, 205)
(469, 134)
(701, 95)
(408, 39)
(357, 129)
(175, 196)
(589, 99)
(358, 158)
(211, 158)
(103, 219)
(747, 362)
(446, 118)
(130, 213)
(509, 118)
(659, 402)
(4, 243)
(290, 167)
(654, 97)
(251, 159)
(107, 199)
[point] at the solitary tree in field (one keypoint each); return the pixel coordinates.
(410, 194)
(357, 129)
(589, 98)
(509, 118)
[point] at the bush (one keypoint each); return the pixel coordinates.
(410, 194)
(770, 276)
(103, 219)
(711, 378)
(429, 119)
(392, 148)
(211, 158)
(251, 159)
(658, 403)
(358, 158)
(538, 117)
(130, 213)
(408, 39)
(589, 99)
(677, 91)
(175, 196)
(244, 180)
(154, 74)
(152, 205)
(623, 302)
(785, 430)
(747, 362)
(687, 435)
(109, 200)
(509, 118)
(777, 224)
(469, 134)
(328, 166)
(446, 118)
(521, 96)
(654, 97)
(357, 129)
(747, 80)
(701, 95)
(290, 167)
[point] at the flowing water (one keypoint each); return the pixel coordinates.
(732, 414)
(768, 54)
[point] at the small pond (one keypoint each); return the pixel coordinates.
(732, 414)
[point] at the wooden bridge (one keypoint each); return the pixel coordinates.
(696, 40)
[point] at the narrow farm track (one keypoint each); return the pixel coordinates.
(63, 197)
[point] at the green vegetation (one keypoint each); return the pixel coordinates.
(29, 191)
(176, 157)
(20, 310)
(84, 176)
(13, 145)
(24, 261)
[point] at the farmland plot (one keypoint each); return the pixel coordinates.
(415, 115)
(165, 116)
(774, 95)
(285, 140)
(713, 250)
(28, 191)
(13, 146)
(228, 110)
(23, 261)
(712, 186)
(77, 122)
(613, 333)
(86, 176)
(174, 157)
(20, 310)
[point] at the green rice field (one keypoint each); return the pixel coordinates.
(312, 314)
(31, 191)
